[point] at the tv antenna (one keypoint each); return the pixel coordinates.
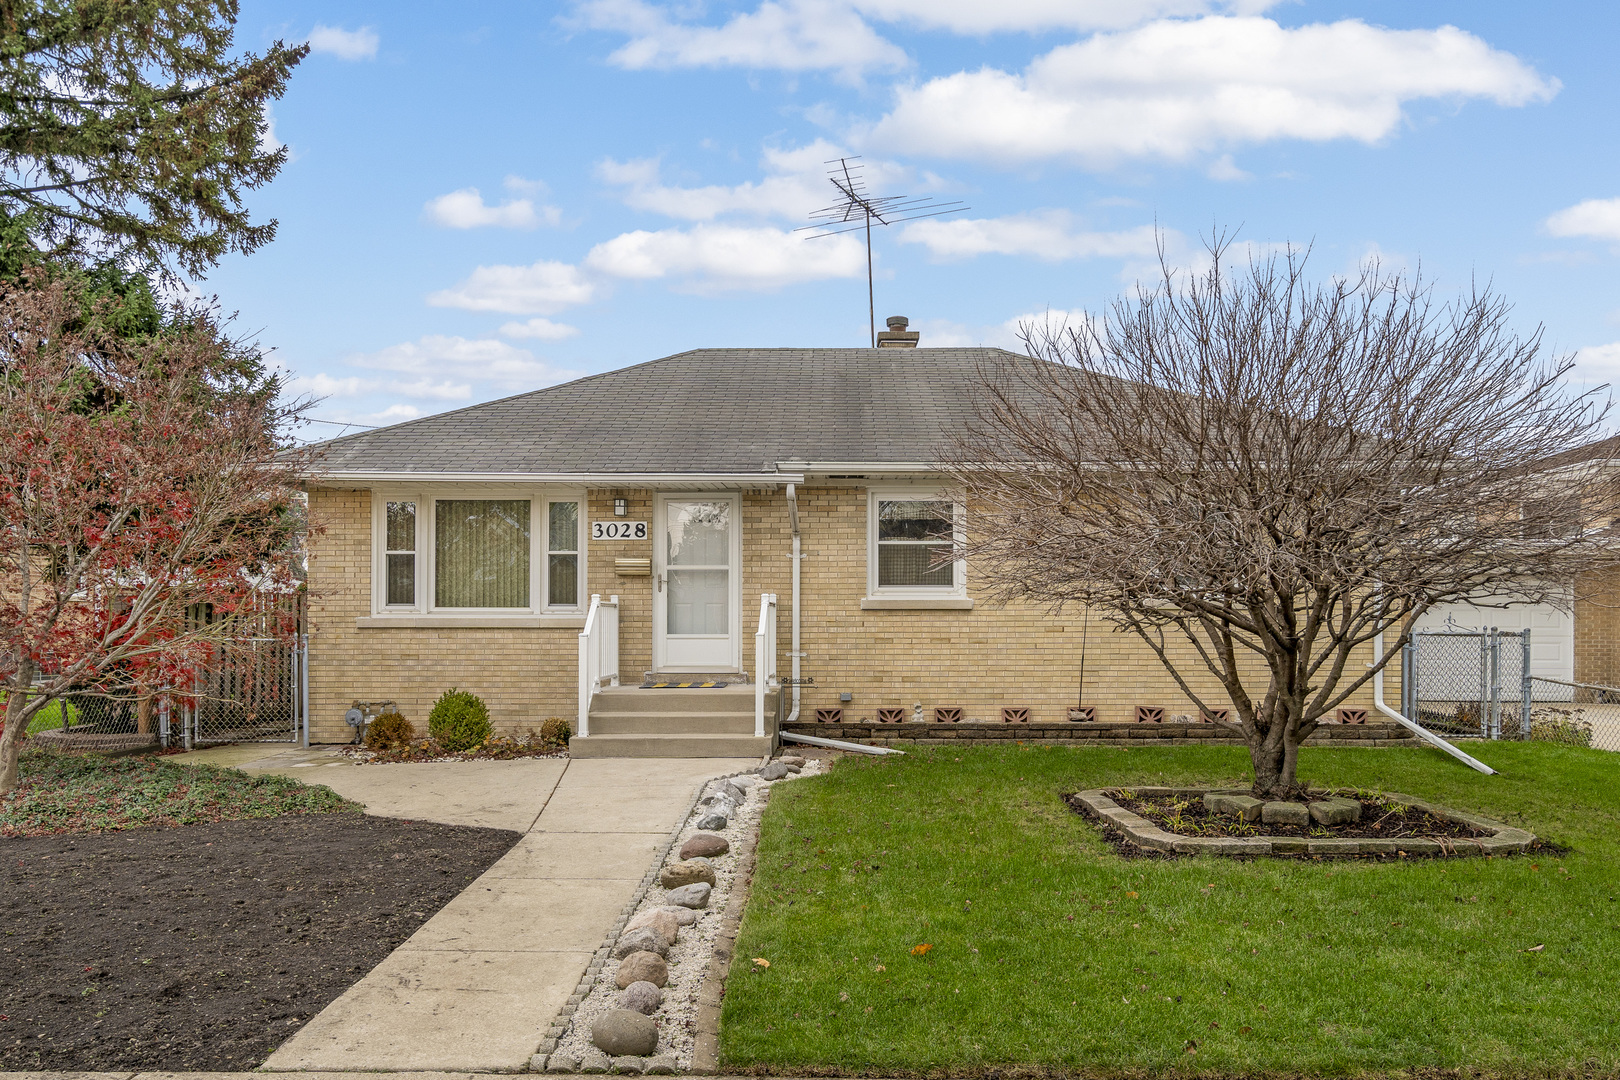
(856, 210)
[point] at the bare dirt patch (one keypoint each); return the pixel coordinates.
(205, 947)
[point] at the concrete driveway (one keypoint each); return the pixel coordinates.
(476, 986)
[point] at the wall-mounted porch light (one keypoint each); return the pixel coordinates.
(621, 507)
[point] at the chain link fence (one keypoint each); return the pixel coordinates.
(255, 689)
(1469, 683)
(1477, 684)
(1580, 714)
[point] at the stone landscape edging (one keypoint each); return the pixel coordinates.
(564, 1017)
(1504, 839)
(706, 1048)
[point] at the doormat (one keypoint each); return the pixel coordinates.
(704, 684)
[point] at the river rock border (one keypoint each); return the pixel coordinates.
(1502, 839)
(701, 1028)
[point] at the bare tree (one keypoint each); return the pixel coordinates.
(1254, 474)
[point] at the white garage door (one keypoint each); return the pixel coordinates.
(1552, 632)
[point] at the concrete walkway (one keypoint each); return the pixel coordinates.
(475, 987)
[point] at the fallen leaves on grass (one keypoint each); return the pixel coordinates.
(1535, 948)
(760, 961)
(922, 950)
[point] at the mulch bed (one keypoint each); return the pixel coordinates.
(205, 947)
(1381, 819)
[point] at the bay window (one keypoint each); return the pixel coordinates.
(494, 552)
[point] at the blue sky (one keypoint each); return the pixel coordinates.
(489, 197)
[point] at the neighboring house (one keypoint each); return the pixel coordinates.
(463, 550)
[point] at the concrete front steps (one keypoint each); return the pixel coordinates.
(630, 722)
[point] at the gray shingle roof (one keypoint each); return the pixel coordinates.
(705, 411)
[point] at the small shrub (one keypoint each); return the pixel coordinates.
(1559, 726)
(459, 721)
(555, 730)
(389, 731)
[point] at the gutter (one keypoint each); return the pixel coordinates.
(1417, 729)
(764, 479)
(839, 744)
(797, 557)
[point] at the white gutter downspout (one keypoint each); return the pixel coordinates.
(793, 523)
(796, 654)
(1416, 729)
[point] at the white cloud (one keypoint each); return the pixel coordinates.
(807, 35)
(1225, 169)
(981, 17)
(1048, 235)
(1597, 364)
(466, 209)
(541, 329)
(443, 390)
(942, 333)
(1181, 88)
(268, 143)
(784, 35)
(323, 385)
(477, 360)
(796, 183)
(344, 44)
(718, 257)
(541, 289)
(1599, 218)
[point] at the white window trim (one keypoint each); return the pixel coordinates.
(423, 612)
(951, 597)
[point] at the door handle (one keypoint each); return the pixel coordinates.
(660, 582)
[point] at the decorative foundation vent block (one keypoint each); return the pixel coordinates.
(1150, 714)
(1352, 716)
(829, 716)
(1015, 714)
(1217, 716)
(948, 714)
(1083, 714)
(891, 716)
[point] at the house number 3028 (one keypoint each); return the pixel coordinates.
(618, 530)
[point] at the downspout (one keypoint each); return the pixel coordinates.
(797, 557)
(1416, 729)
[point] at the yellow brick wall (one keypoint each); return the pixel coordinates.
(979, 660)
(1597, 629)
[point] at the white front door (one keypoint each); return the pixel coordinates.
(696, 591)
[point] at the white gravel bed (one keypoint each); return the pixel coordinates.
(689, 957)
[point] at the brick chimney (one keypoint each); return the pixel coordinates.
(896, 336)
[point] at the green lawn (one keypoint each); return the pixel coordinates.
(1049, 951)
(50, 717)
(64, 793)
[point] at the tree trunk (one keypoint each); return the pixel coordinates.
(1275, 758)
(11, 739)
(143, 712)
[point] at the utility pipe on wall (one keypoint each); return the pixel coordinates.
(793, 523)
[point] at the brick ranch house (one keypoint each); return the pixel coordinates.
(465, 550)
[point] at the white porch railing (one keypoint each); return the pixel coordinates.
(764, 659)
(598, 656)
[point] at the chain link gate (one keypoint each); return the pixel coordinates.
(1469, 683)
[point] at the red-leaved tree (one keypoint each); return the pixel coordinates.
(147, 504)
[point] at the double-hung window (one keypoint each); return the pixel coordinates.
(912, 537)
(500, 552)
